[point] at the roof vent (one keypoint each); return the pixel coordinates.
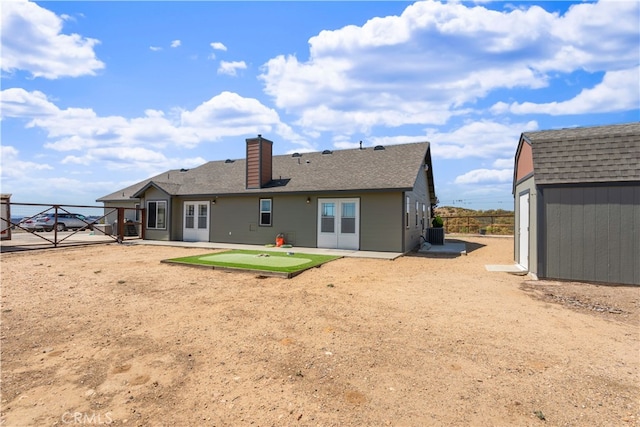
(378, 148)
(183, 170)
(327, 152)
(296, 155)
(229, 161)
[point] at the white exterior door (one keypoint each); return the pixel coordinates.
(196, 222)
(523, 231)
(339, 223)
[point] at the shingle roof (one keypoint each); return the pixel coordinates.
(396, 167)
(587, 154)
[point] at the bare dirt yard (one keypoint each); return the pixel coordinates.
(107, 334)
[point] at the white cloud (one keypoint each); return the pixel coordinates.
(218, 46)
(437, 60)
(136, 158)
(155, 48)
(231, 68)
(482, 139)
(17, 102)
(229, 114)
(32, 40)
(618, 91)
(176, 43)
(503, 163)
(88, 138)
(484, 176)
(11, 166)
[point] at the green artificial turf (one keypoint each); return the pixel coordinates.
(257, 260)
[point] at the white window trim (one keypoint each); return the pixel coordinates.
(260, 212)
(408, 203)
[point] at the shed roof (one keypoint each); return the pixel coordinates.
(395, 167)
(587, 154)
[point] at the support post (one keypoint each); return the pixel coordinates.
(143, 222)
(55, 226)
(120, 225)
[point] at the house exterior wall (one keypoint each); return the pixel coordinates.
(591, 233)
(112, 217)
(154, 195)
(523, 187)
(415, 229)
(381, 222)
(236, 220)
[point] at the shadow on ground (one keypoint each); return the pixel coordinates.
(442, 252)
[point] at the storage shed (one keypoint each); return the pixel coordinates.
(577, 203)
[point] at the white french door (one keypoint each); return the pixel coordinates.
(339, 223)
(196, 222)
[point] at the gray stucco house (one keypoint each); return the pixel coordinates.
(372, 198)
(577, 203)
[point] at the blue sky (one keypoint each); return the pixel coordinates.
(99, 95)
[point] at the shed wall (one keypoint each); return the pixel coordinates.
(591, 233)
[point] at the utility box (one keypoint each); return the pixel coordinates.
(435, 236)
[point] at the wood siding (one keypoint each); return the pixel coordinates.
(524, 162)
(253, 165)
(592, 233)
(259, 162)
(265, 163)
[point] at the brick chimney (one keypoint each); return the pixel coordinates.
(259, 153)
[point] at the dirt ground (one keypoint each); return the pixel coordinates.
(108, 335)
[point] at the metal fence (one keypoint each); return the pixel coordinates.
(36, 225)
(481, 224)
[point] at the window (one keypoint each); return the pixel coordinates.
(408, 207)
(137, 217)
(348, 220)
(327, 221)
(189, 216)
(202, 216)
(417, 210)
(424, 219)
(265, 212)
(157, 215)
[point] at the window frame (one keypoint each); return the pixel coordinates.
(261, 212)
(156, 214)
(408, 211)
